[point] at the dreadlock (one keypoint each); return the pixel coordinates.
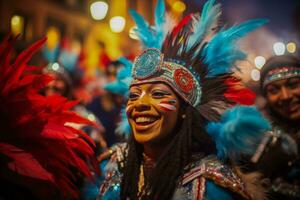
(190, 139)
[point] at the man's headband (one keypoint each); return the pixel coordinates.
(280, 73)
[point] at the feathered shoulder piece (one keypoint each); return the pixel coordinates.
(39, 152)
(239, 131)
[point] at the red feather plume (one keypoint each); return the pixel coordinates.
(35, 142)
(238, 93)
(181, 24)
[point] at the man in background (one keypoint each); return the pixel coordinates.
(278, 154)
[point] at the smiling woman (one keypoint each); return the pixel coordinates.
(182, 116)
(150, 113)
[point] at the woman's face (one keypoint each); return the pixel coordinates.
(152, 111)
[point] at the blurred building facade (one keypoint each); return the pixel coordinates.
(72, 19)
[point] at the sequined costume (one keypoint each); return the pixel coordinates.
(278, 159)
(199, 175)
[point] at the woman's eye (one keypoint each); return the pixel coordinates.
(159, 94)
(133, 96)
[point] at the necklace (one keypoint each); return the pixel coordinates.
(141, 179)
(147, 164)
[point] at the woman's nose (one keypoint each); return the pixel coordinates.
(142, 104)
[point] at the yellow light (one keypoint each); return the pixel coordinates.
(132, 33)
(291, 47)
(17, 24)
(53, 37)
(15, 20)
(259, 62)
(117, 24)
(178, 6)
(98, 10)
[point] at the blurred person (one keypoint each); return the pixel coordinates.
(112, 70)
(106, 108)
(62, 85)
(107, 104)
(120, 87)
(119, 84)
(104, 59)
(278, 154)
(188, 128)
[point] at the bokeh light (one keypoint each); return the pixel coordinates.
(255, 75)
(259, 62)
(98, 10)
(132, 33)
(55, 66)
(17, 24)
(53, 37)
(178, 6)
(291, 47)
(279, 48)
(117, 24)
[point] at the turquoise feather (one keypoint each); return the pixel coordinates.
(238, 132)
(151, 37)
(159, 22)
(221, 53)
(208, 20)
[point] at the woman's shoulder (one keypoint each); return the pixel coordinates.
(214, 171)
(114, 157)
(112, 160)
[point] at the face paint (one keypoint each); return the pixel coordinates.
(167, 105)
(152, 111)
(128, 108)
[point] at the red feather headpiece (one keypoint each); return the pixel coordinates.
(38, 150)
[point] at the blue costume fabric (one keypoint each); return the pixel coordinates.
(205, 178)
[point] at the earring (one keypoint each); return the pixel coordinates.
(183, 116)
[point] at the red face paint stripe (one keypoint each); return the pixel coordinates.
(168, 106)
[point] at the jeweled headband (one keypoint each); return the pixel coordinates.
(150, 67)
(280, 73)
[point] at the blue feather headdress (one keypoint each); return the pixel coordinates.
(208, 52)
